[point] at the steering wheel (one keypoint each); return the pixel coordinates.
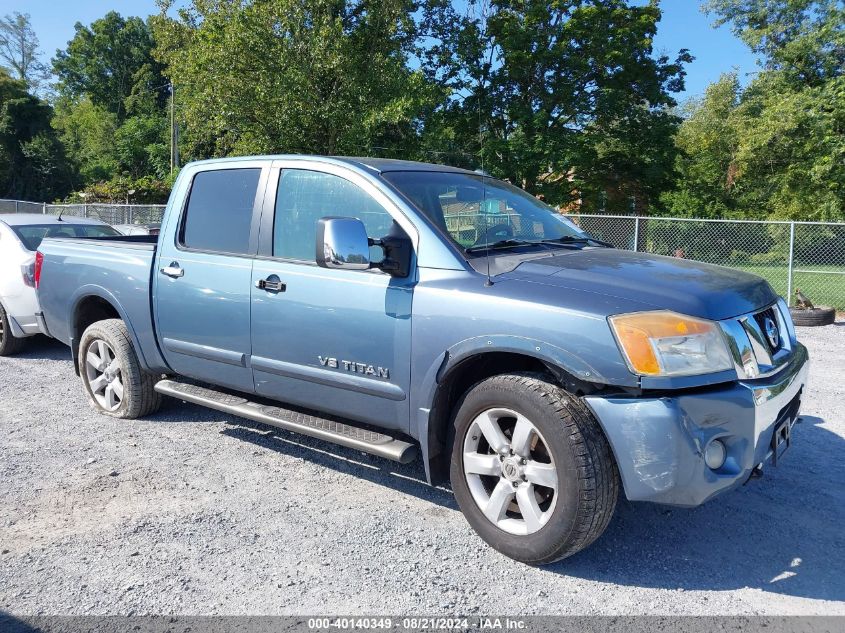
(494, 234)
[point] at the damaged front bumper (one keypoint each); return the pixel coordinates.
(659, 443)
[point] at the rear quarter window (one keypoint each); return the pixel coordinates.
(218, 216)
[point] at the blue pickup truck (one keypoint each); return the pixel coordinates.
(417, 311)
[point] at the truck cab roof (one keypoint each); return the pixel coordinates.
(376, 165)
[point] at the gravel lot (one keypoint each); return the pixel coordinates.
(195, 512)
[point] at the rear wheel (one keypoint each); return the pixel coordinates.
(531, 468)
(9, 343)
(115, 383)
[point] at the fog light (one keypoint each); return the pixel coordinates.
(715, 454)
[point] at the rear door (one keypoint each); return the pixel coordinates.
(204, 272)
(334, 340)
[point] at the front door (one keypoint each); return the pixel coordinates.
(204, 275)
(334, 340)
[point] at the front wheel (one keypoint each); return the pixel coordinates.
(115, 383)
(531, 468)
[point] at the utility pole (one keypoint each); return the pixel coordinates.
(174, 152)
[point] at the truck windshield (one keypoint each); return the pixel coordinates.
(476, 211)
(31, 235)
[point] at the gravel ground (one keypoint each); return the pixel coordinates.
(195, 512)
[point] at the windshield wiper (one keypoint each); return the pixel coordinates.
(508, 243)
(572, 239)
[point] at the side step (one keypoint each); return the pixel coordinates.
(321, 428)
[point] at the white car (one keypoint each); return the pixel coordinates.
(138, 229)
(20, 236)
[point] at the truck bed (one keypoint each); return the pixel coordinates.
(117, 269)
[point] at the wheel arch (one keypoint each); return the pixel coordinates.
(467, 363)
(93, 304)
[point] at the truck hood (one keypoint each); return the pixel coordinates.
(650, 282)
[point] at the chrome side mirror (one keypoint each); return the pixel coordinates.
(342, 243)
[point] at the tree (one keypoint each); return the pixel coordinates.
(110, 61)
(708, 144)
(803, 38)
(566, 99)
(777, 148)
(87, 133)
(19, 50)
(326, 76)
(32, 163)
(110, 113)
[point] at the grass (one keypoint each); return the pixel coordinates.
(826, 287)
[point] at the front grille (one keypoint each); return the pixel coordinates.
(763, 318)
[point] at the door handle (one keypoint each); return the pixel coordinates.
(271, 285)
(174, 270)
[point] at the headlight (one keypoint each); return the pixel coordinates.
(670, 344)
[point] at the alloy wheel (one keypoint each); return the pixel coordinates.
(510, 471)
(104, 375)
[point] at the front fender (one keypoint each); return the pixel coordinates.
(447, 361)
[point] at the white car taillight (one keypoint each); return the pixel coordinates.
(28, 272)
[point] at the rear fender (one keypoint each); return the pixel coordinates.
(147, 363)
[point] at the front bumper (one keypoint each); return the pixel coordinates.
(659, 442)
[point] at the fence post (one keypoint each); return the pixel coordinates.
(791, 258)
(636, 233)
(44, 208)
(84, 210)
(17, 206)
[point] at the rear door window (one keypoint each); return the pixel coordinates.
(219, 212)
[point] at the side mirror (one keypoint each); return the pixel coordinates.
(342, 243)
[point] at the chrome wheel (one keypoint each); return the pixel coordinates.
(510, 471)
(103, 374)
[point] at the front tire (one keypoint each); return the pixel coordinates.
(531, 469)
(9, 343)
(115, 383)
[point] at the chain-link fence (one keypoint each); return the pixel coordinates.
(809, 256)
(109, 213)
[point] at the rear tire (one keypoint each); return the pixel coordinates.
(9, 343)
(114, 381)
(550, 488)
(814, 317)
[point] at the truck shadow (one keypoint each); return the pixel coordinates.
(40, 347)
(406, 478)
(780, 534)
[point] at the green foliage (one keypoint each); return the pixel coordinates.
(707, 141)
(19, 50)
(326, 76)
(777, 148)
(566, 98)
(111, 110)
(804, 39)
(87, 132)
(32, 163)
(146, 190)
(109, 62)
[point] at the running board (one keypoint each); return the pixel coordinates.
(344, 434)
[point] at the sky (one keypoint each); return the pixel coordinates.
(716, 51)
